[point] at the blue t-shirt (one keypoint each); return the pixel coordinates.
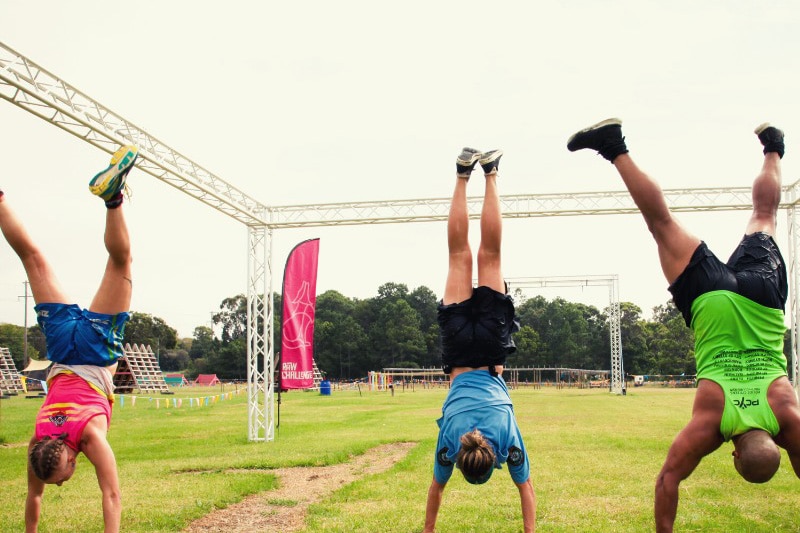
(479, 400)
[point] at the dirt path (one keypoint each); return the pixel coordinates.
(284, 509)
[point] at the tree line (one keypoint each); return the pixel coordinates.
(397, 328)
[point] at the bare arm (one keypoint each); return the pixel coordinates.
(699, 438)
(794, 458)
(527, 498)
(33, 501)
(432, 506)
(783, 401)
(99, 452)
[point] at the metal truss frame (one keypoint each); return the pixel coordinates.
(614, 314)
(32, 88)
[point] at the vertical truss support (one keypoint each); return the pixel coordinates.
(614, 313)
(615, 332)
(260, 383)
(794, 295)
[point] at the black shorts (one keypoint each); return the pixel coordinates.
(755, 270)
(477, 332)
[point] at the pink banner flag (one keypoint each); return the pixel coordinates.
(297, 317)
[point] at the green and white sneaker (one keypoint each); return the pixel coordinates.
(110, 182)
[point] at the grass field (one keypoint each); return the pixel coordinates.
(594, 460)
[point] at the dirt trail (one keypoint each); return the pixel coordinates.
(297, 488)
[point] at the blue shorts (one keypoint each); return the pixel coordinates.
(755, 270)
(81, 337)
(477, 332)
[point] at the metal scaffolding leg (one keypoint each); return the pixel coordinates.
(614, 313)
(617, 369)
(794, 295)
(260, 384)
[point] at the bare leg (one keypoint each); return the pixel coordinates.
(459, 274)
(116, 287)
(675, 244)
(489, 264)
(766, 196)
(42, 279)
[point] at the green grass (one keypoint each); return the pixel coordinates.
(595, 457)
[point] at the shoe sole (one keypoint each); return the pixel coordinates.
(601, 124)
(118, 167)
(495, 155)
(475, 157)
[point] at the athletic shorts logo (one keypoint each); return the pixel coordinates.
(744, 403)
(59, 419)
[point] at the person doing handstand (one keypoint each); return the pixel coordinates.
(478, 430)
(736, 311)
(84, 346)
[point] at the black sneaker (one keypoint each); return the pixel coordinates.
(465, 162)
(490, 161)
(771, 138)
(605, 137)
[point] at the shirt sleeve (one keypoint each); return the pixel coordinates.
(518, 464)
(442, 465)
(442, 470)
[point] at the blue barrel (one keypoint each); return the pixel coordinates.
(325, 387)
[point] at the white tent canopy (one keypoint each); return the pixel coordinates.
(35, 365)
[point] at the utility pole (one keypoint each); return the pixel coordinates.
(25, 342)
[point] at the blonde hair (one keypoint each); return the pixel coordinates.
(476, 458)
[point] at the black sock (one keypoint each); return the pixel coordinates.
(612, 148)
(115, 202)
(774, 146)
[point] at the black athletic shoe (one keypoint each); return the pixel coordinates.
(465, 162)
(771, 138)
(490, 161)
(605, 137)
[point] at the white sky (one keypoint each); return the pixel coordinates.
(317, 102)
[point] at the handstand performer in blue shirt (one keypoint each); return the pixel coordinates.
(477, 430)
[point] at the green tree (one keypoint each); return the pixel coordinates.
(37, 345)
(424, 301)
(13, 338)
(527, 341)
(338, 337)
(229, 361)
(396, 336)
(146, 330)
(232, 317)
(392, 291)
(177, 358)
(596, 350)
(202, 342)
(671, 342)
(633, 333)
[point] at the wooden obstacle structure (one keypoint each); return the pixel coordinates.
(318, 377)
(139, 370)
(9, 377)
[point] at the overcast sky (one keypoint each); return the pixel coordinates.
(318, 102)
